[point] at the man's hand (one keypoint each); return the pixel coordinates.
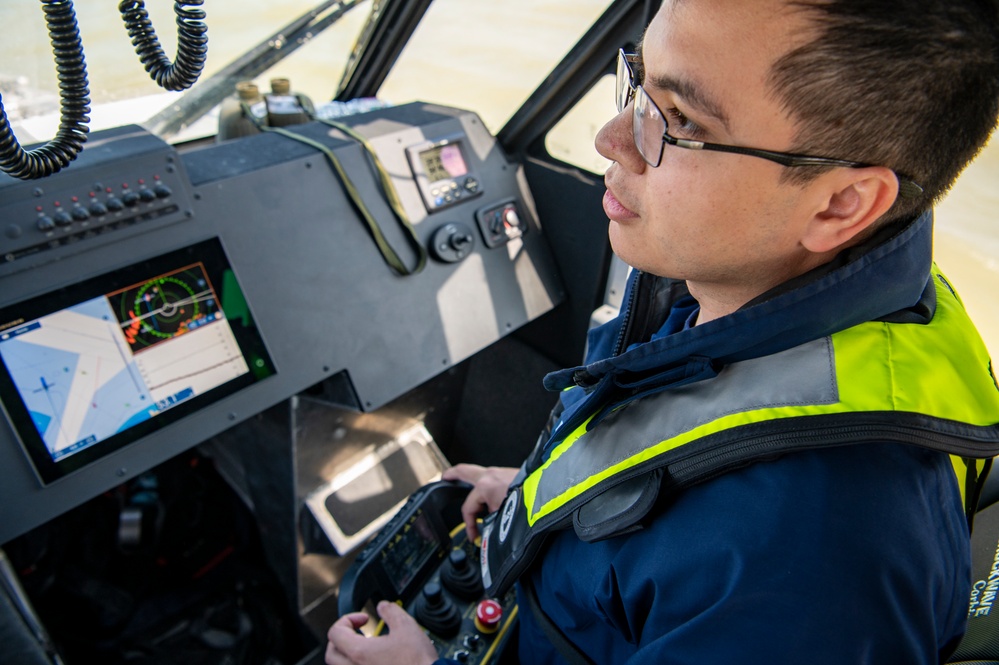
(406, 642)
(489, 489)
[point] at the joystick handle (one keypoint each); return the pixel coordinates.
(461, 576)
(436, 612)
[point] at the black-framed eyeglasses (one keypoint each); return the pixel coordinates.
(651, 132)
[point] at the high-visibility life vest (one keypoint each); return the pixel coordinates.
(927, 384)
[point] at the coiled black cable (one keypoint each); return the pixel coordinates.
(74, 93)
(192, 43)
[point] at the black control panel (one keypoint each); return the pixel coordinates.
(423, 560)
(292, 259)
(96, 202)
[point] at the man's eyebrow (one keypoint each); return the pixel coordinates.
(687, 89)
(691, 93)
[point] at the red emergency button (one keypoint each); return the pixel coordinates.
(488, 615)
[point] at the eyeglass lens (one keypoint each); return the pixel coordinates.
(648, 127)
(647, 123)
(625, 85)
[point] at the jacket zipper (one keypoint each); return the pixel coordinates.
(629, 315)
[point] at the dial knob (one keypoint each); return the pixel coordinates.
(452, 242)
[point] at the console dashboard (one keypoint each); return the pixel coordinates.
(151, 299)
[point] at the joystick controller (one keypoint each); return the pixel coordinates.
(435, 612)
(423, 559)
(461, 576)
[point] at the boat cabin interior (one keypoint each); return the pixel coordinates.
(254, 302)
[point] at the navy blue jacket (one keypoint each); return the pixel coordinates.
(848, 555)
(857, 554)
(852, 555)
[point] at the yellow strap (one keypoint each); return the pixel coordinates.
(386, 250)
(383, 176)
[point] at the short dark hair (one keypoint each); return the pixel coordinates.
(912, 85)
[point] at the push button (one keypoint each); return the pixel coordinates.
(488, 614)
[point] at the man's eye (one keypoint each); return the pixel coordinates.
(682, 126)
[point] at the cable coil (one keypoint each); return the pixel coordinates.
(74, 93)
(192, 43)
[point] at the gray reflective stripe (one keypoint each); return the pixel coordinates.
(802, 376)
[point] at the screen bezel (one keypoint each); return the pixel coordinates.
(425, 185)
(212, 257)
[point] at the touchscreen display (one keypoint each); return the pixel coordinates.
(96, 365)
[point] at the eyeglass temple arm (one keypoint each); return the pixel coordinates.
(907, 188)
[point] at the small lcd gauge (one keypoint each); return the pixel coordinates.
(442, 171)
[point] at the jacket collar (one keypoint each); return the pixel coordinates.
(873, 280)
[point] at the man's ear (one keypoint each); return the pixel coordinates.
(848, 202)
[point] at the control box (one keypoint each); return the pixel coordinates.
(423, 559)
(96, 202)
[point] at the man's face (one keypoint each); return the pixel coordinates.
(723, 222)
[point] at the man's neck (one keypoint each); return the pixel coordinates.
(718, 299)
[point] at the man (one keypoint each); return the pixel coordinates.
(753, 465)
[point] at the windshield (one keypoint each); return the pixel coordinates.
(122, 92)
(486, 57)
(493, 57)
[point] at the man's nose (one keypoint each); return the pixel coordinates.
(616, 142)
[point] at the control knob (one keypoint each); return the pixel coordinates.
(452, 242)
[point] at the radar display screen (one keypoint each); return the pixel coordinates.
(96, 365)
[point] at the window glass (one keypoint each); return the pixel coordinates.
(487, 56)
(484, 56)
(572, 139)
(121, 92)
(966, 243)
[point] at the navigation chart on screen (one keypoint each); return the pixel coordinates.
(102, 366)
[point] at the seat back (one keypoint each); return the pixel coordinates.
(980, 645)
